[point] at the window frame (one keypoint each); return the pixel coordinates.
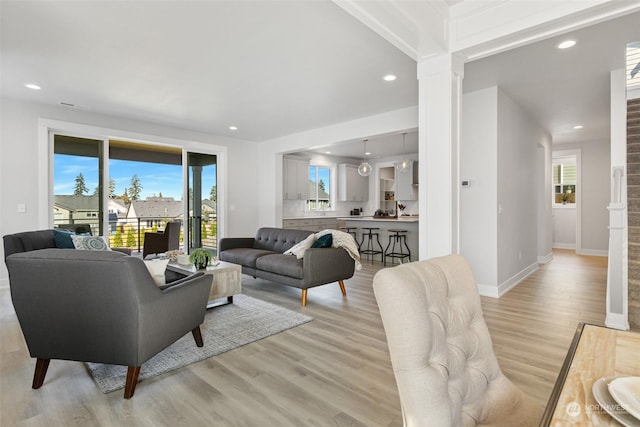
(329, 187)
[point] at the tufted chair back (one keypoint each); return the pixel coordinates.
(443, 360)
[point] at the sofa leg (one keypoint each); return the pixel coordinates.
(197, 336)
(41, 371)
(342, 288)
(304, 297)
(132, 381)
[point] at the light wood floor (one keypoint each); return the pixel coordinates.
(333, 371)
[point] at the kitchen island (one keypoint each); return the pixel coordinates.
(409, 223)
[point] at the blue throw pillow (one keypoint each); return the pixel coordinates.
(323, 242)
(63, 238)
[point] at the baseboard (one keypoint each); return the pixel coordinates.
(488, 291)
(508, 284)
(545, 259)
(564, 246)
(593, 252)
(617, 321)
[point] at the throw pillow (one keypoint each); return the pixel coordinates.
(157, 268)
(299, 248)
(63, 238)
(90, 243)
(323, 241)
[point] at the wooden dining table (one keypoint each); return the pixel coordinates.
(596, 352)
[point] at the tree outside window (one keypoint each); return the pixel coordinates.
(564, 182)
(319, 188)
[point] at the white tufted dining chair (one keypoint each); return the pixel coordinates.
(441, 351)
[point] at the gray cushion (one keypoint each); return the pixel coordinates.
(244, 256)
(285, 265)
(278, 239)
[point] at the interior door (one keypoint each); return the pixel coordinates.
(203, 205)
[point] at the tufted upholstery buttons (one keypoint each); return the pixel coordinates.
(441, 351)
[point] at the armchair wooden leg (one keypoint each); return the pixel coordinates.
(132, 381)
(197, 336)
(41, 371)
(342, 288)
(304, 297)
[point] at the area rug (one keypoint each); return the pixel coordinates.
(224, 328)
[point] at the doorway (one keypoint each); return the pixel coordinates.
(566, 200)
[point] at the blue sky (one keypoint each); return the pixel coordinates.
(155, 178)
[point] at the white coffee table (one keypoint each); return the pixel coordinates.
(226, 280)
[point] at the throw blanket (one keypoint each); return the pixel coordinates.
(345, 241)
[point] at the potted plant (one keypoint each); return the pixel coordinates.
(200, 258)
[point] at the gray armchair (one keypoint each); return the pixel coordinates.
(101, 307)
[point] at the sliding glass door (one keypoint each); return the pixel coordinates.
(203, 201)
(78, 164)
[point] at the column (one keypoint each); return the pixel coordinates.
(439, 109)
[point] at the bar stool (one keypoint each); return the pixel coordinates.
(369, 233)
(400, 237)
(352, 231)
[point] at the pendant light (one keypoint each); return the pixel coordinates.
(405, 164)
(365, 168)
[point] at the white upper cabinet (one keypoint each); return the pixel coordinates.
(406, 184)
(295, 179)
(351, 186)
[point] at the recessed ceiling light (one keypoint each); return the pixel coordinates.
(566, 44)
(233, 127)
(578, 127)
(327, 152)
(389, 78)
(367, 153)
(32, 86)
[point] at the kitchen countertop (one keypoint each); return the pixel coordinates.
(314, 217)
(370, 218)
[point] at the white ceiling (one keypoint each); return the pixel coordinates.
(271, 68)
(274, 68)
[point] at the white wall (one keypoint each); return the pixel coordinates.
(270, 203)
(518, 138)
(20, 177)
(564, 227)
(499, 213)
(596, 185)
(479, 203)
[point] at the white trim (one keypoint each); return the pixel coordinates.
(510, 283)
(616, 321)
(577, 153)
(564, 246)
(545, 259)
(507, 285)
(593, 252)
(4, 283)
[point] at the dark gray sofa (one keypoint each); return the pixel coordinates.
(263, 256)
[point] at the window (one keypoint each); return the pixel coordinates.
(564, 181)
(320, 188)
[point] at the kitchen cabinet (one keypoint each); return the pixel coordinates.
(406, 187)
(295, 179)
(313, 224)
(351, 186)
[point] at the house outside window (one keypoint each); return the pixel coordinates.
(320, 188)
(564, 181)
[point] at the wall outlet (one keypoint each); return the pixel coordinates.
(22, 208)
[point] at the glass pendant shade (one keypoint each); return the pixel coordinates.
(405, 164)
(365, 168)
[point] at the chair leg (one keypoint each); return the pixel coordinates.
(197, 336)
(304, 297)
(41, 371)
(342, 288)
(132, 381)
